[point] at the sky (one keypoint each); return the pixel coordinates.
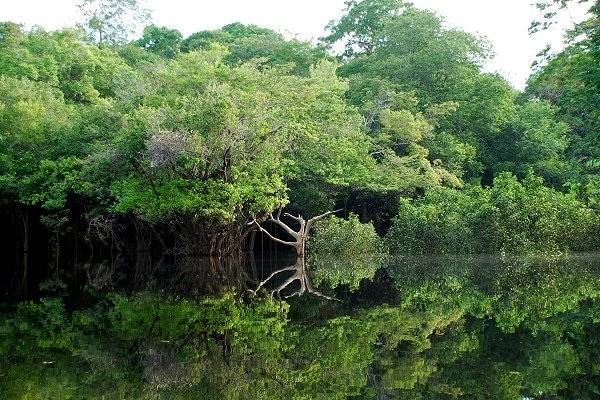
(503, 22)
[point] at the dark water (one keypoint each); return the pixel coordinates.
(434, 327)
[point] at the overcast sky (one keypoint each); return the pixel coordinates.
(503, 22)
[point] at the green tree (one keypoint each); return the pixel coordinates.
(112, 21)
(536, 139)
(161, 40)
(412, 54)
(252, 43)
(360, 26)
(510, 216)
(344, 251)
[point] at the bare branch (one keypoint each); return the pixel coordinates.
(298, 218)
(318, 218)
(290, 268)
(289, 230)
(273, 238)
(300, 274)
(288, 282)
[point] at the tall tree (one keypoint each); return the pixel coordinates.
(112, 21)
(570, 80)
(359, 27)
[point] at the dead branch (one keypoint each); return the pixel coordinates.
(318, 218)
(273, 238)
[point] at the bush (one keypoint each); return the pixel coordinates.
(344, 238)
(511, 216)
(345, 251)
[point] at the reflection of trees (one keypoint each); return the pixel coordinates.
(298, 274)
(317, 268)
(189, 275)
(525, 324)
(207, 275)
(476, 328)
(336, 270)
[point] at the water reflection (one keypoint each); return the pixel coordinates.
(297, 273)
(486, 327)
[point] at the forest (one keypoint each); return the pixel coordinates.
(144, 182)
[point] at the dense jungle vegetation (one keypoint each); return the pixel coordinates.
(142, 182)
(178, 144)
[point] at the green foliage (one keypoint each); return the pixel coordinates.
(344, 251)
(161, 40)
(570, 80)
(415, 64)
(83, 73)
(538, 143)
(250, 43)
(241, 121)
(345, 238)
(229, 33)
(193, 136)
(236, 142)
(564, 82)
(510, 216)
(37, 162)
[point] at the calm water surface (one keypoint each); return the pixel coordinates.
(444, 327)
(431, 327)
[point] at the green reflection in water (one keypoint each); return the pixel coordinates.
(419, 328)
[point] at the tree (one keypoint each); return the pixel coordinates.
(345, 252)
(417, 64)
(161, 40)
(570, 80)
(534, 140)
(112, 21)
(359, 28)
(510, 216)
(300, 236)
(226, 35)
(250, 43)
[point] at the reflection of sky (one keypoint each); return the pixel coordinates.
(504, 22)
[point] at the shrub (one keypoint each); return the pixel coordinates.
(345, 251)
(511, 216)
(344, 238)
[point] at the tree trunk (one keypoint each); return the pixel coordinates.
(300, 236)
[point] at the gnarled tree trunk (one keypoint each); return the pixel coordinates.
(300, 236)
